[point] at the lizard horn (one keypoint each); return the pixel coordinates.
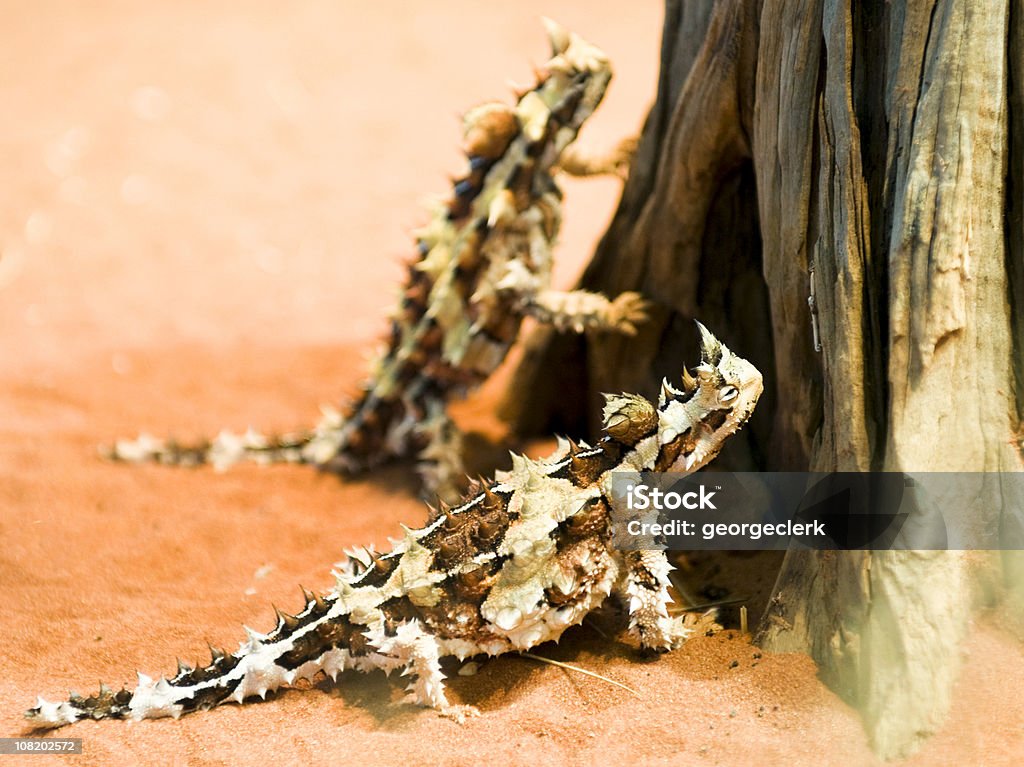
(710, 347)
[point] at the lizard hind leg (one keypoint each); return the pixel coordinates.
(419, 652)
(643, 588)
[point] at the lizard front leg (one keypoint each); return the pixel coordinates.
(580, 310)
(614, 162)
(643, 588)
(576, 310)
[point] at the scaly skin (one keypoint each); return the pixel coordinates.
(514, 565)
(484, 264)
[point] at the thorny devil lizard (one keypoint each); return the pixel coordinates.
(484, 264)
(517, 563)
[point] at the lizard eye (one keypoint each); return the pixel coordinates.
(728, 394)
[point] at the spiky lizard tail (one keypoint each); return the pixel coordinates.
(318, 639)
(340, 443)
(228, 448)
(371, 432)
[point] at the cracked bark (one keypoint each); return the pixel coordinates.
(877, 149)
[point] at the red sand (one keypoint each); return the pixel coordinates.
(202, 215)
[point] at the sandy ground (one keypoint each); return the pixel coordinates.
(201, 217)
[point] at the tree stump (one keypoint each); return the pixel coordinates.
(875, 151)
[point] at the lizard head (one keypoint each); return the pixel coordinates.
(717, 398)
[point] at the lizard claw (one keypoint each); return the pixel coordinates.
(621, 157)
(628, 310)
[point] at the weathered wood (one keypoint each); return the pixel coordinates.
(878, 149)
(785, 126)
